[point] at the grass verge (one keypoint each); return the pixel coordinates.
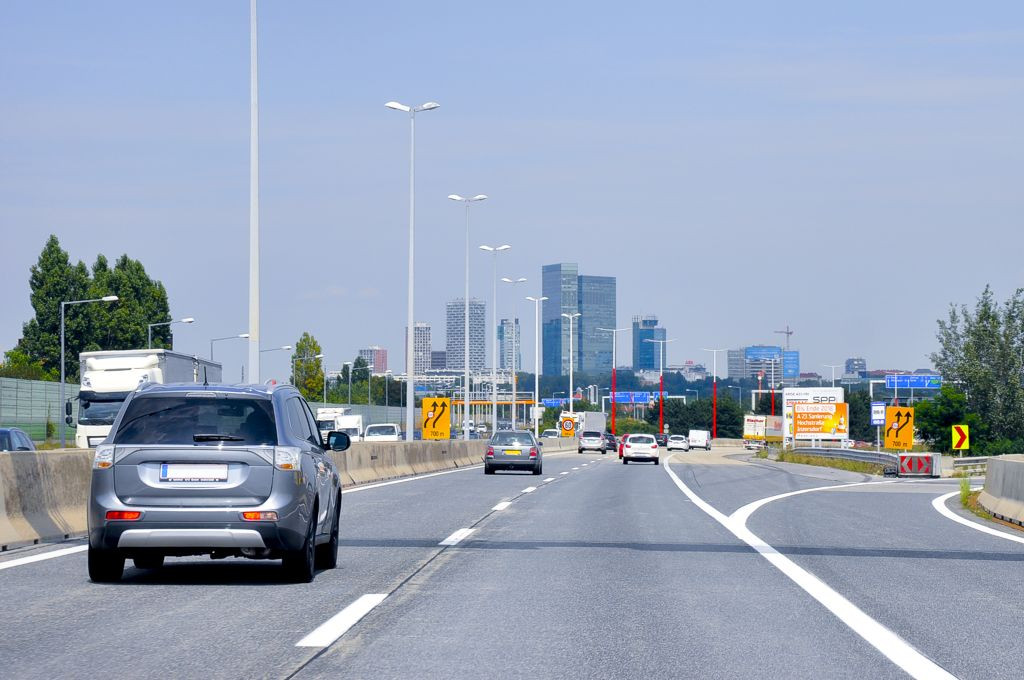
(839, 463)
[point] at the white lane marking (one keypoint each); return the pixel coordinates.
(940, 505)
(456, 537)
(743, 514)
(333, 628)
(895, 648)
(563, 473)
(42, 556)
(502, 505)
(529, 489)
(586, 464)
(550, 479)
(365, 487)
(575, 468)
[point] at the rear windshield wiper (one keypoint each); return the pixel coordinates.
(217, 438)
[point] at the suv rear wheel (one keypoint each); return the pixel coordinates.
(148, 561)
(327, 554)
(300, 565)
(105, 566)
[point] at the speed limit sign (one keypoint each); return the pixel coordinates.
(568, 426)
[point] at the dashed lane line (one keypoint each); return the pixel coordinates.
(333, 628)
(42, 556)
(502, 505)
(457, 536)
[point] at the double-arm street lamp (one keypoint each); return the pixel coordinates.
(714, 390)
(63, 304)
(572, 356)
(833, 367)
(661, 380)
(465, 300)
(151, 326)
(226, 337)
(536, 361)
(614, 332)
(515, 342)
(410, 346)
(494, 250)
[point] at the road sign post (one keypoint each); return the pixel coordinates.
(437, 421)
(567, 426)
(878, 420)
(961, 438)
(899, 428)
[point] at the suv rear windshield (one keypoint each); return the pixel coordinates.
(197, 421)
(592, 435)
(512, 439)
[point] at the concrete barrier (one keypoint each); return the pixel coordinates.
(1003, 494)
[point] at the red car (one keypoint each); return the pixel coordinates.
(622, 442)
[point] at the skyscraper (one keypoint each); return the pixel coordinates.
(438, 360)
(645, 354)
(596, 298)
(375, 356)
(421, 347)
(456, 327)
(560, 286)
(510, 340)
(855, 366)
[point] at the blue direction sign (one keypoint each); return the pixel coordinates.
(554, 403)
(913, 382)
(631, 397)
(878, 413)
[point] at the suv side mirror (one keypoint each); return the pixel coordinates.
(338, 441)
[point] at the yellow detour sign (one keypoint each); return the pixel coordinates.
(437, 420)
(899, 427)
(567, 426)
(961, 437)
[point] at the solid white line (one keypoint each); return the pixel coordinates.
(940, 505)
(550, 479)
(502, 505)
(529, 489)
(365, 487)
(563, 473)
(586, 464)
(575, 468)
(895, 648)
(743, 514)
(456, 537)
(333, 628)
(42, 556)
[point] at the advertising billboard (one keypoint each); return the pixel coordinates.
(821, 421)
(754, 426)
(813, 395)
(773, 428)
(791, 364)
(762, 353)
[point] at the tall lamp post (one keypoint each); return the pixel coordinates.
(714, 390)
(833, 367)
(696, 394)
(494, 250)
(63, 304)
(515, 342)
(295, 363)
(151, 326)
(536, 360)
(253, 375)
(410, 347)
(572, 357)
(349, 364)
(739, 396)
(226, 337)
(369, 379)
(661, 381)
(615, 360)
(254, 201)
(465, 306)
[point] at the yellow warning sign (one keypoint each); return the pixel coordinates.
(568, 426)
(961, 437)
(899, 427)
(437, 420)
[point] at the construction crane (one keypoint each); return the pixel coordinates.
(788, 332)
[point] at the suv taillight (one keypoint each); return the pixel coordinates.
(104, 457)
(533, 453)
(490, 452)
(287, 457)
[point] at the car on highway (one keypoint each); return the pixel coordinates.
(591, 441)
(382, 432)
(641, 447)
(610, 442)
(219, 470)
(700, 439)
(622, 444)
(13, 439)
(513, 450)
(550, 434)
(678, 442)
(661, 438)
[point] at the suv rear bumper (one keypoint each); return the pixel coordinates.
(191, 538)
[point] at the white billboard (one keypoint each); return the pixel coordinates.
(810, 395)
(754, 427)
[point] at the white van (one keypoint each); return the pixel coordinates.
(700, 439)
(382, 432)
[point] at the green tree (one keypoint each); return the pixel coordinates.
(17, 364)
(141, 301)
(860, 415)
(935, 418)
(307, 369)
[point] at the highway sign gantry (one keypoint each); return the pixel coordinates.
(437, 421)
(899, 427)
(961, 437)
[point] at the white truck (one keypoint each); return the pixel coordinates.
(586, 421)
(339, 419)
(108, 377)
(700, 439)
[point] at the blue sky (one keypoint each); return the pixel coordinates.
(870, 155)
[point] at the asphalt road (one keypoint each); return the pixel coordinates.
(592, 570)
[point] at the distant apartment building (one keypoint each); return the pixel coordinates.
(646, 354)
(855, 366)
(594, 299)
(421, 347)
(375, 356)
(769, 360)
(455, 348)
(438, 360)
(509, 343)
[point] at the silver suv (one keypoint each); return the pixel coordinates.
(225, 471)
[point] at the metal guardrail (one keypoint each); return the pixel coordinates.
(879, 457)
(971, 462)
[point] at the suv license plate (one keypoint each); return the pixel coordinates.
(513, 452)
(180, 472)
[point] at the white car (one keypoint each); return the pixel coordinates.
(678, 442)
(591, 441)
(384, 432)
(640, 447)
(549, 434)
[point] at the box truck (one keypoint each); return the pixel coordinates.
(339, 419)
(108, 377)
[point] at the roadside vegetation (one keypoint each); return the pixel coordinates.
(838, 463)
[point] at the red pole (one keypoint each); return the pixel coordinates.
(613, 400)
(661, 398)
(714, 410)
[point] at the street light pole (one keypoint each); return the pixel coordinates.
(149, 330)
(833, 367)
(661, 381)
(494, 250)
(369, 378)
(465, 309)
(515, 342)
(226, 337)
(613, 331)
(254, 201)
(695, 392)
(572, 358)
(714, 390)
(349, 364)
(536, 360)
(63, 304)
(410, 347)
